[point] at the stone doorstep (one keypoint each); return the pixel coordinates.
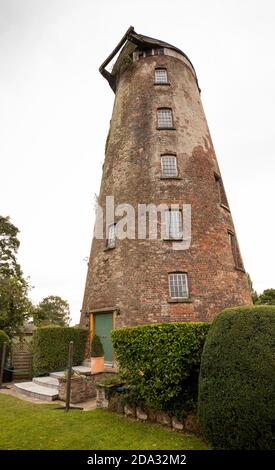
(37, 391)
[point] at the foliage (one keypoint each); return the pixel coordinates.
(52, 310)
(161, 363)
(96, 347)
(237, 379)
(51, 346)
(15, 307)
(9, 245)
(253, 293)
(36, 427)
(115, 379)
(267, 297)
(3, 339)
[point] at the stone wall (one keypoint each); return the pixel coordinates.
(115, 402)
(82, 388)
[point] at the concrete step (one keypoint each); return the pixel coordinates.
(49, 382)
(57, 375)
(80, 369)
(34, 390)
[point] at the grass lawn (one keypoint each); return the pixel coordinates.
(30, 426)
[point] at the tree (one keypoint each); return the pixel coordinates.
(52, 309)
(15, 306)
(9, 245)
(267, 297)
(254, 294)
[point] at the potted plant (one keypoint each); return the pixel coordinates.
(97, 355)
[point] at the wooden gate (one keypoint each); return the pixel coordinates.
(21, 360)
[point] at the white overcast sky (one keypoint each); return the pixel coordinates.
(55, 110)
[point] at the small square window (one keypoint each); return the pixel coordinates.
(235, 251)
(178, 286)
(165, 118)
(111, 240)
(173, 224)
(161, 76)
(221, 191)
(169, 166)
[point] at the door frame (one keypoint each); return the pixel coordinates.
(113, 310)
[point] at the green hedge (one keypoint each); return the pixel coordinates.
(4, 338)
(50, 348)
(237, 380)
(161, 363)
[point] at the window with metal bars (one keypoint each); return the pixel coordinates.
(165, 119)
(178, 286)
(235, 251)
(169, 166)
(173, 224)
(161, 76)
(111, 239)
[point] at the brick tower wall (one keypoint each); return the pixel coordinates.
(134, 275)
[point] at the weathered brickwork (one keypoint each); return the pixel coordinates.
(82, 388)
(134, 275)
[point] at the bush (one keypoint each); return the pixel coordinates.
(4, 338)
(237, 380)
(51, 346)
(96, 347)
(160, 363)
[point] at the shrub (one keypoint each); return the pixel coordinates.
(237, 379)
(96, 347)
(4, 338)
(161, 363)
(51, 346)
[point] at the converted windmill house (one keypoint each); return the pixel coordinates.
(159, 152)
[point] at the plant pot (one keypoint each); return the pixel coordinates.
(8, 374)
(97, 364)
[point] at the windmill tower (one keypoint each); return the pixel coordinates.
(159, 152)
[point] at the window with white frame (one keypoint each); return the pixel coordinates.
(111, 240)
(178, 286)
(173, 224)
(161, 76)
(169, 166)
(165, 119)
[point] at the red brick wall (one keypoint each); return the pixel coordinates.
(134, 275)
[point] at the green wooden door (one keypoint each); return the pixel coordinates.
(103, 323)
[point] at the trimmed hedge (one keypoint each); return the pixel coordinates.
(51, 345)
(237, 380)
(160, 363)
(4, 338)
